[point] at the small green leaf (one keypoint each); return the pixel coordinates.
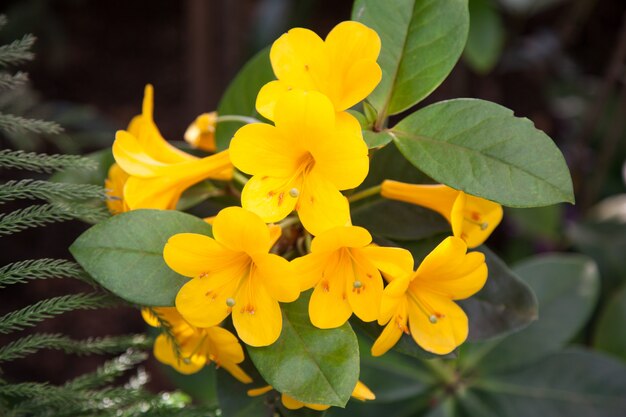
(376, 139)
(609, 333)
(481, 148)
(486, 36)
(125, 254)
(421, 42)
(312, 365)
(240, 96)
(567, 289)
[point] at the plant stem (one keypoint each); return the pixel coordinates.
(368, 192)
(237, 118)
(239, 177)
(289, 221)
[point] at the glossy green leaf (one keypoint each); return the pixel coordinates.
(240, 96)
(486, 36)
(312, 365)
(567, 289)
(573, 383)
(376, 139)
(125, 254)
(481, 148)
(609, 332)
(421, 42)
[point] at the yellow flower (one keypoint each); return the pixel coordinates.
(201, 133)
(158, 172)
(425, 297)
(472, 218)
(197, 346)
(114, 186)
(233, 273)
(343, 266)
(302, 162)
(361, 392)
(343, 67)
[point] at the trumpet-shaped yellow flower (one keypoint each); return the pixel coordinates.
(201, 133)
(158, 172)
(114, 185)
(343, 67)
(361, 392)
(197, 346)
(233, 272)
(301, 163)
(343, 266)
(472, 218)
(424, 299)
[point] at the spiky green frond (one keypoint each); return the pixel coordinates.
(23, 271)
(40, 215)
(18, 51)
(46, 190)
(10, 81)
(44, 309)
(100, 345)
(39, 162)
(109, 371)
(17, 124)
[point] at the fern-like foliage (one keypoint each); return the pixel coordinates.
(50, 191)
(23, 271)
(37, 162)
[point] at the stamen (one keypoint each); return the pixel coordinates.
(357, 284)
(230, 302)
(433, 319)
(477, 222)
(294, 193)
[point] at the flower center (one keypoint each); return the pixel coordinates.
(303, 167)
(433, 315)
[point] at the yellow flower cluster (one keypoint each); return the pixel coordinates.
(312, 150)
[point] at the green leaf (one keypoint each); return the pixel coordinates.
(312, 365)
(376, 139)
(234, 400)
(201, 386)
(125, 254)
(567, 289)
(573, 383)
(240, 96)
(481, 148)
(486, 36)
(421, 42)
(609, 333)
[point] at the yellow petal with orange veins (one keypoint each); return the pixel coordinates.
(269, 198)
(256, 315)
(164, 353)
(340, 237)
(259, 148)
(269, 94)
(225, 344)
(305, 117)
(299, 59)
(481, 218)
(329, 307)
(241, 230)
(392, 262)
(387, 339)
(362, 392)
(237, 372)
(445, 334)
(192, 254)
(309, 269)
(203, 304)
(364, 288)
(321, 206)
(394, 298)
(278, 276)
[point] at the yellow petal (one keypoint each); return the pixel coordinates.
(223, 345)
(480, 217)
(341, 237)
(329, 307)
(237, 372)
(394, 298)
(439, 197)
(269, 198)
(449, 271)
(114, 185)
(150, 319)
(201, 133)
(352, 49)
(309, 269)
(387, 339)
(256, 316)
(132, 158)
(321, 206)
(241, 230)
(202, 303)
(259, 148)
(362, 392)
(278, 276)
(192, 254)
(269, 94)
(299, 59)
(255, 392)
(275, 233)
(291, 403)
(308, 116)
(449, 330)
(164, 353)
(364, 287)
(392, 262)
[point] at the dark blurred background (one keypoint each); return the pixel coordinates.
(559, 63)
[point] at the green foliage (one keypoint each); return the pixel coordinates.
(487, 152)
(410, 31)
(11, 81)
(136, 238)
(609, 333)
(312, 365)
(240, 96)
(23, 271)
(38, 162)
(18, 51)
(40, 215)
(46, 190)
(16, 124)
(486, 36)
